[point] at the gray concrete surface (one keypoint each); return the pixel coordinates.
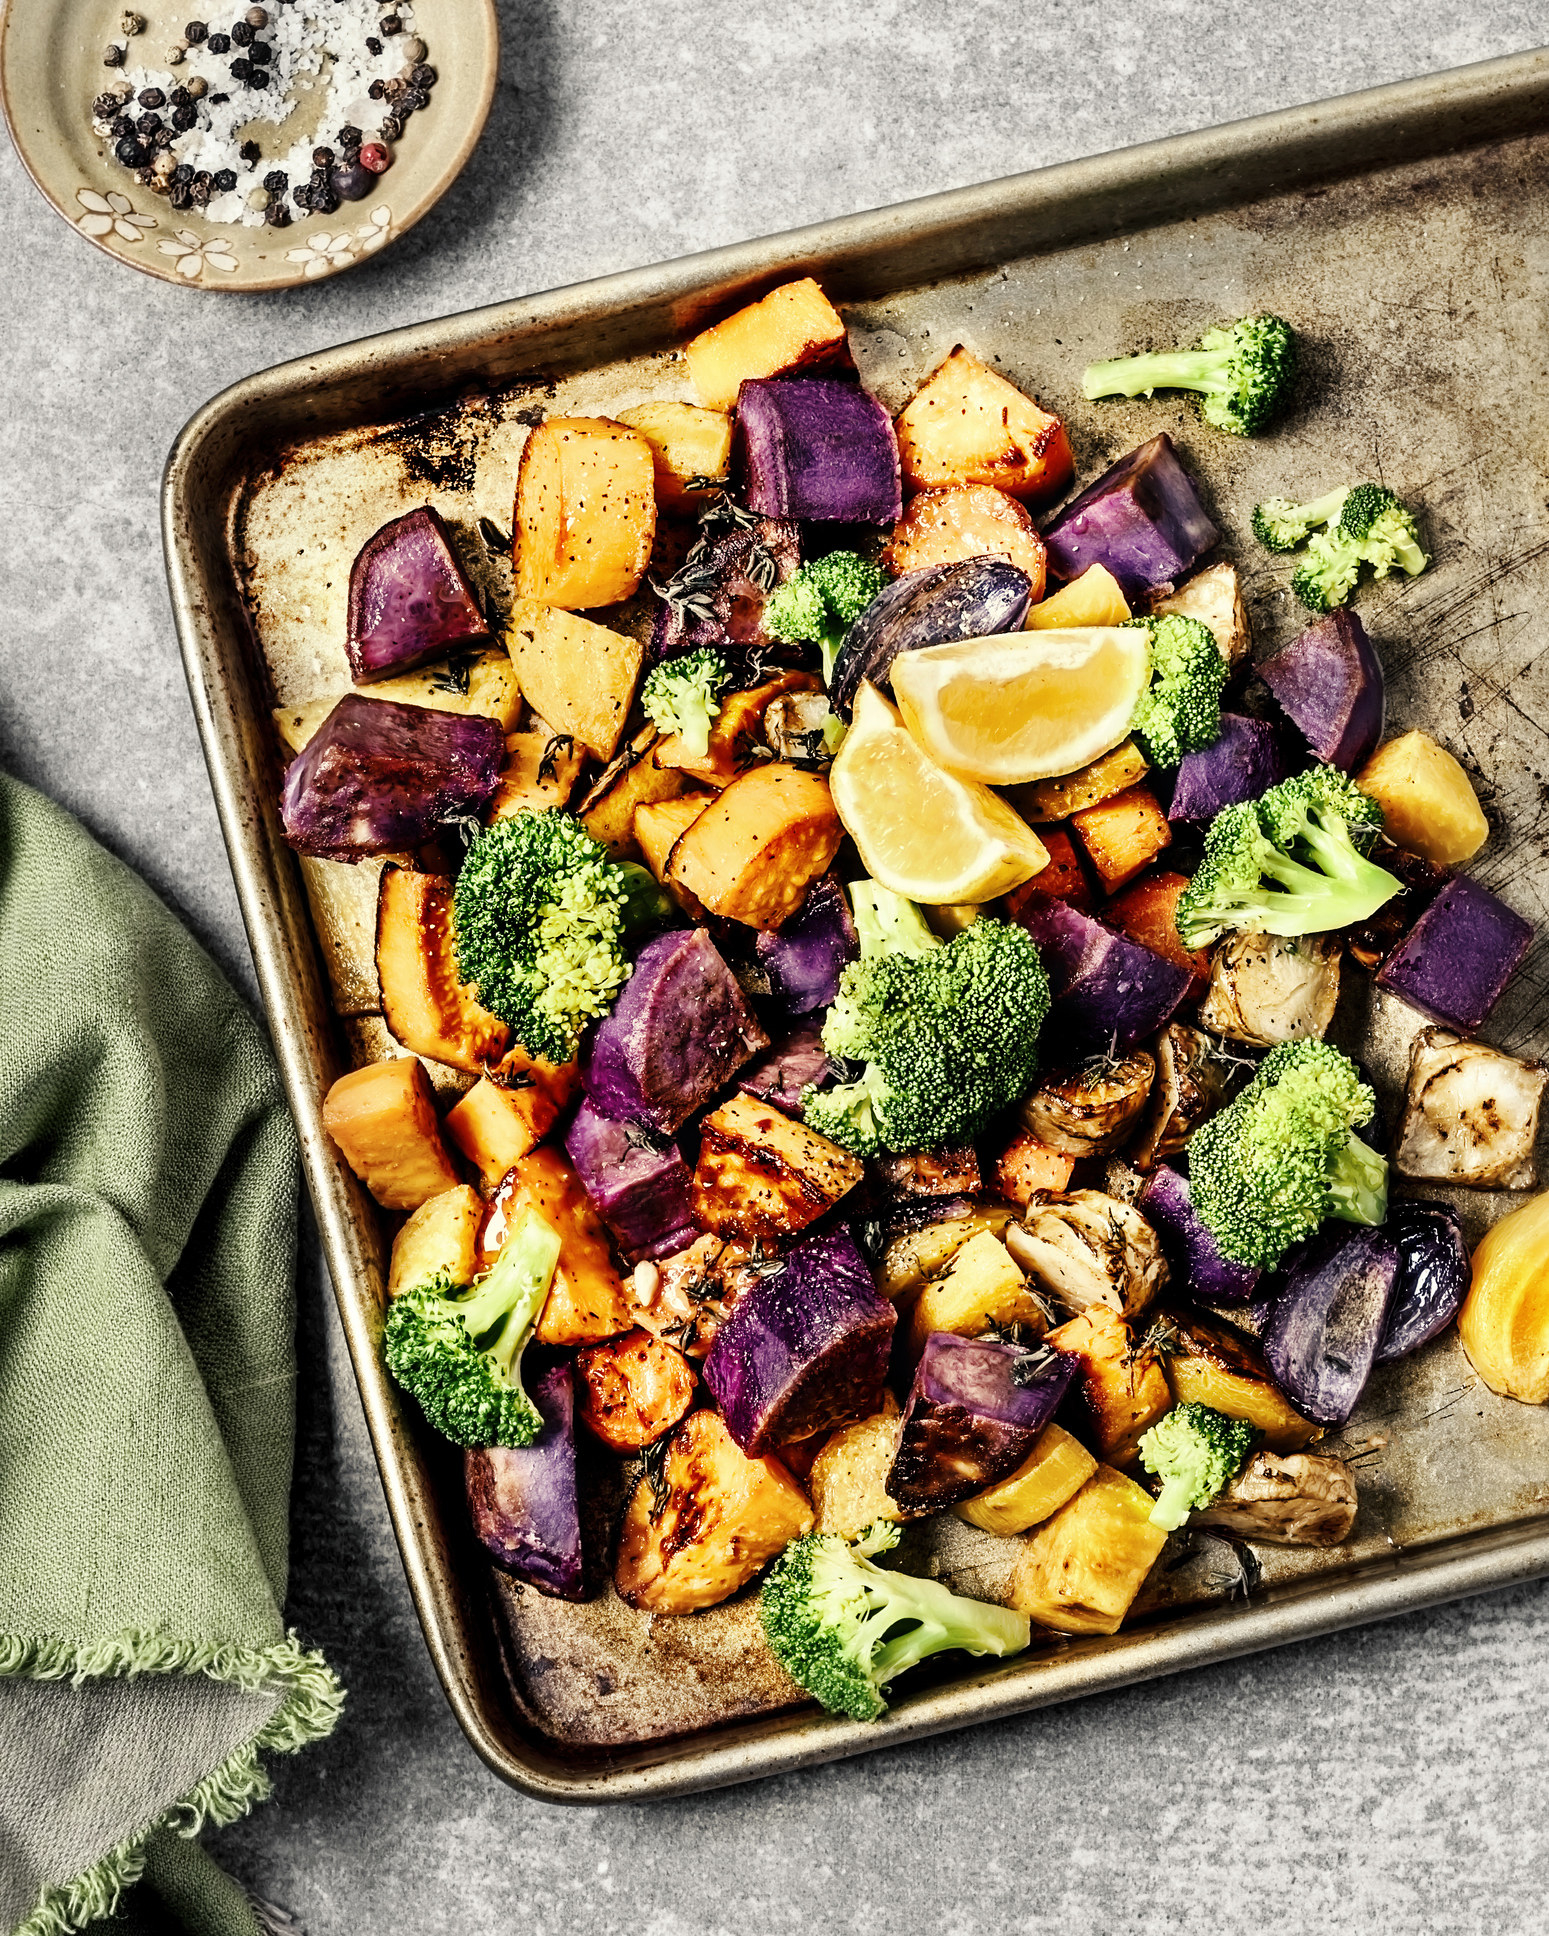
(1385, 1780)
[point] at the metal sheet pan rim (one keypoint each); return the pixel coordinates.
(209, 624)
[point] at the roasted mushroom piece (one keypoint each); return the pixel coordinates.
(1193, 1080)
(1266, 988)
(797, 727)
(1471, 1114)
(1287, 1499)
(1087, 1248)
(1090, 1110)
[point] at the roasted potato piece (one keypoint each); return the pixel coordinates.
(384, 1120)
(1090, 1249)
(578, 675)
(981, 1287)
(587, 1300)
(1207, 1363)
(1109, 775)
(686, 443)
(848, 1481)
(1306, 1499)
(1504, 1322)
(630, 782)
(1055, 1470)
(1120, 1391)
(1266, 989)
(491, 689)
(965, 521)
(540, 771)
(441, 1235)
(713, 1520)
(1091, 1110)
(1080, 1572)
(1470, 1115)
(762, 1175)
(968, 425)
(1026, 1167)
(794, 327)
(585, 517)
(495, 1125)
(343, 898)
(1214, 597)
(424, 1004)
(1122, 835)
(630, 1390)
(911, 1260)
(1428, 802)
(752, 855)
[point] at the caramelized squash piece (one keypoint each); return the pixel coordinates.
(965, 521)
(634, 780)
(1504, 1322)
(1122, 835)
(1026, 1166)
(968, 425)
(752, 855)
(981, 1287)
(495, 1126)
(848, 1480)
(794, 327)
(737, 726)
(1063, 878)
(763, 1175)
(1120, 1391)
(1080, 1572)
(587, 1301)
(1207, 1363)
(441, 1235)
(539, 772)
(1055, 1470)
(585, 515)
(577, 675)
(686, 443)
(630, 1390)
(1147, 912)
(722, 1518)
(1109, 774)
(424, 1004)
(384, 1120)
(660, 824)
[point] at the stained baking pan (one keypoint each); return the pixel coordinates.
(1406, 233)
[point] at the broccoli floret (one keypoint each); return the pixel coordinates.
(948, 1030)
(542, 916)
(1266, 1170)
(1374, 529)
(1180, 711)
(1281, 525)
(1289, 863)
(845, 1628)
(1194, 1451)
(683, 696)
(1243, 372)
(821, 602)
(459, 1350)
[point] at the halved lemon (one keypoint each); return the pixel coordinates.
(923, 832)
(1026, 705)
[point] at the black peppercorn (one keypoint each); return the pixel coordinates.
(390, 24)
(123, 125)
(423, 76)
(375, 90)
(242, 34)
(395, 89)
(391, 128)
(224, 180)
(259, 77)
(180, 195)
(220, 43)
(241, 70)
(151, 97)
(321, 198)
(199, 188)
(301, 195)
(413, 100)
(219, 100)
(162, 138)
(147, 125)
(128, 151)
(183, 174)
(276, 181)
(249, 151)
(180, 97)
(350, 137)
(184, 118)
(194, 32)
(105, 107)
(112, 55)
(277, 215)
(260, 53)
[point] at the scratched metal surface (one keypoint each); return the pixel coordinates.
(1424, 367)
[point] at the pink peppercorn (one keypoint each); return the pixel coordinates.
(375, 157)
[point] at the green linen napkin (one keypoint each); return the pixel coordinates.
(148, 1174)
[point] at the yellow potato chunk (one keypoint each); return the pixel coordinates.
(720, 1518)
(1209, 1364)
(686, 443)
(982, 1286)
(1055, 1470)
(1092, 599)
(424, 1004)
(441, 1235)
(384, 1120)
(1504, 1322)
(761, 1174)
(911, 1261)
(539, 771)
(1080, 1572)
(794, 327)
(968, 425)
(578, 675)
(1427, 800)
(585, 513)
(848, 1480)
(752, 855)
(495, 1126)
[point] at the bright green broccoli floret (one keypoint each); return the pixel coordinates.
(459, 1350)
(542, 916)
(845, 1628)
(948, 1030)
(821, 602)
(1374, 529)
(1180, 711)
(1243, 372)
(1281, 525)
(1267, 1170)
(683, 696)
(1289, 863)
(1194, 1451)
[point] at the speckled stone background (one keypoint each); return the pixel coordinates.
(1385, 1780)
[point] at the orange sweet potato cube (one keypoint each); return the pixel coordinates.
(384, 1120)
(587, 1301)
(1063, 879)
(1026, 1166)
(1120, 1389)
(1146, 911)
(1122, 835)
(794, 327)
(968, 425)
(585, 514)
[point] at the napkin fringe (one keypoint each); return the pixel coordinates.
(309, 1711)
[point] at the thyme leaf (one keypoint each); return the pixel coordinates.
(557, 747)
(453, 677)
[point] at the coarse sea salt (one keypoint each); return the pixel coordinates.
(321, 46)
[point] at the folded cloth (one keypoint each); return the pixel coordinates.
(148, 1189)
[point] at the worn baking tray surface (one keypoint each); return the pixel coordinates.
(1418, 288)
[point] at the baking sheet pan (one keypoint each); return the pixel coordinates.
(1406, 234)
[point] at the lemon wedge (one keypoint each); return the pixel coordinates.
(1025, 705)
(923, 832)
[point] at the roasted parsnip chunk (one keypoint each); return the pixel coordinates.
(762, 1175)
(1470, 1115)
(794, 327)
(1091, 1110)
(1055, 1470)
(687, 444)
(1089, 1248)
(912, 1259)
(630, 1390)
(1305, 1499)
(1214, 597)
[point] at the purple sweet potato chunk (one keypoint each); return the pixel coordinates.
(640, 1186)
(805, 1349)
(731, 617)
(818, 448)
(779, 1077)
(1109, 992)
(1456, 960)
(972, 598)
(410, 600)
(378, 777)
(1329, 683)
(975, 1410)
(1433, 1275)
(1323, 1331)
(523, 1500)
(1245, 761)
(1198, 1267)
(806, 957)
(1142, 520)
(679, 1032)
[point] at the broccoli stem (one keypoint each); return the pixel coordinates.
(509, 1298)
(1323, 510)
(1172, 1502)
(1138, 376)
(939, 1614)
(1358, 1185)
(885, 923)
